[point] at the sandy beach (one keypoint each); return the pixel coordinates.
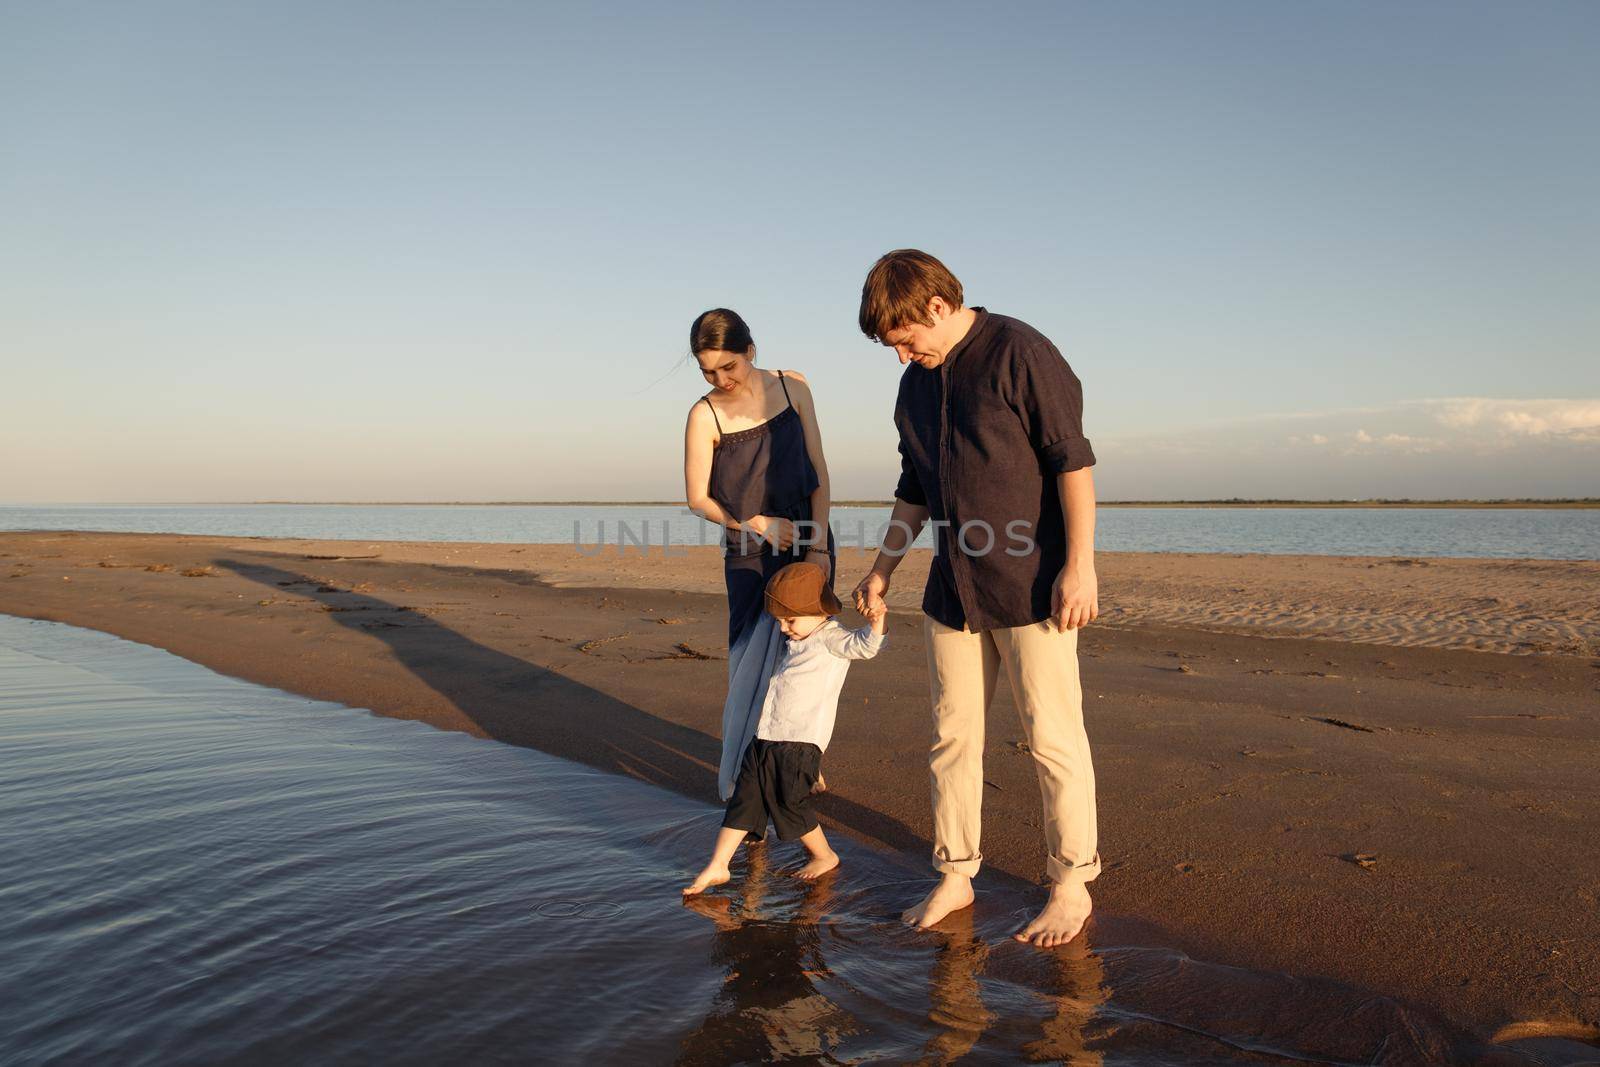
(1376, 770)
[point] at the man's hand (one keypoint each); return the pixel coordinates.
(1075, 600)
(870, 593)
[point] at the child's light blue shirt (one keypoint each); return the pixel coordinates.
(803, 697)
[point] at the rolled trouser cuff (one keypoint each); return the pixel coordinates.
(969, 868)
(1066, 874)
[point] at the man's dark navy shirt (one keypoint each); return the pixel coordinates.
(982, 438)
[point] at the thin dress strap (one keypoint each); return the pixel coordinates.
(714, 418)
(785, 385)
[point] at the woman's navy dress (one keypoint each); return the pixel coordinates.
(764, 470)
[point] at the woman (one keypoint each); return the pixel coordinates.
(752, 464)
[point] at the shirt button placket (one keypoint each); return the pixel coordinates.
(957, 565)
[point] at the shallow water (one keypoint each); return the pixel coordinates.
(1482, 532)
(201, 870)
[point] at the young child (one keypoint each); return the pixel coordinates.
(782, 765)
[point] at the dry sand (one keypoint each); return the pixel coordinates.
(1308, 765)
(1490, 605)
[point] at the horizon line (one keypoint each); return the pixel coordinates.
(1438, 502)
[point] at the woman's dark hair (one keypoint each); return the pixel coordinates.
(719, 330)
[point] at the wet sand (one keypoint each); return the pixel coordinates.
(1316, 766)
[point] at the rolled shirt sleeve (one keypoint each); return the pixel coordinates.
(1049, 399)
(909, 487)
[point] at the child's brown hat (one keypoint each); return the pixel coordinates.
(801, 589)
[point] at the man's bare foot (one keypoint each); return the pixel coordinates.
(709, 877)
(819, 866)
(1062, 918)
(953, 893)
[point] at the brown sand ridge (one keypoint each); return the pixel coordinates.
(1308, 765)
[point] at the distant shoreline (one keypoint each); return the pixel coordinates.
(1532, 504)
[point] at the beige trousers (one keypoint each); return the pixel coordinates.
(1042, 668)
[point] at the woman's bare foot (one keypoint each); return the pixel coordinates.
(712, 875)
(821, 786)
(1063, 916)
(953, 893)
(819, 866)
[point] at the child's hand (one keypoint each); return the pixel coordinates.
(877, 613)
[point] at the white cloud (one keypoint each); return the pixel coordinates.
(1407, 443)
(1459, 446)
(1578, 420)
(1361, 442)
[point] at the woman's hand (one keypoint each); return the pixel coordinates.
(779, 532)
(819, 556)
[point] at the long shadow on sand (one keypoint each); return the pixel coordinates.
(520, 703)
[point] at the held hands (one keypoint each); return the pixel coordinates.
(1075, 600)
(869, 596)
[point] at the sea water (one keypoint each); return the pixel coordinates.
(1505, 533)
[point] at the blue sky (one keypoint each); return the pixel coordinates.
(451, 251)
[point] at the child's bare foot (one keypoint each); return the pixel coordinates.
(823, 857)
(953, 893)
(819, 866)
(709, 877)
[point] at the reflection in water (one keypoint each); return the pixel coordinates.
(955, 994)
(769, 1007)
(198, 870)
(780, 1000)
(1074, 980)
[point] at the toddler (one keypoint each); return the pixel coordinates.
(782, 765)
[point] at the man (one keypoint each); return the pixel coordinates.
(992, 450)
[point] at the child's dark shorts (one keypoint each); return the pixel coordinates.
(775, 781)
